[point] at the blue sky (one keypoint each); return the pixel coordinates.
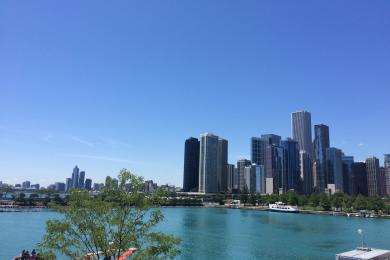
(111, 85)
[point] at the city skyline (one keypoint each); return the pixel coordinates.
(122, 85)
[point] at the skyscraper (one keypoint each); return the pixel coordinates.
(212, 163)
(254, 178)
(335, 168)
(68, 184)
(372, 167)
(382, 182)
(81, 179)
(301, 130)
(359, 179)
(258, 146)
(230, 178)
(191, 165)
(274, 169)
(347, 173)
(320, 144)
(222, 163)
(291, 178)
(241, 164)
(88, 184)
(387, 173)
(306, 171)
(75, 177)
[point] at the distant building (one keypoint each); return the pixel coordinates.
(35, 186)
(387, 173)
(382, 182)
(372, 167)
(260, 179)
(26, 184)
(81, 180)
(222, 162)
(335, 168)
(191, 165)
(359, 179)
(347, 173)
(291, 178)
(274, 168)
(150, 186)
(88, 184)
(306, 171)
(212, 163)
(321, 144)
(98, 186)
(301, 130)
(258, 146)
(59, 187)
(241, 164)
(230, 178)
(254, 179)
(75, 177)
(68, 184)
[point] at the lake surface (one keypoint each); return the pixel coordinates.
(209, 233)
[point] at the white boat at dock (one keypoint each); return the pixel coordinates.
(282, 207)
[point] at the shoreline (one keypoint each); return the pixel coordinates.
(255, 208)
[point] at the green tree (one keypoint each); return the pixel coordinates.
(324, 202)
(337, 200)
(110, 224)
(360, 202)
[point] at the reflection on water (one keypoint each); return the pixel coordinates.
(209, 233)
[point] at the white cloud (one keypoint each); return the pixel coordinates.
(360, 144)
(81, 141)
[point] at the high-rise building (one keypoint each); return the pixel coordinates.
(372, 168)
(75, 177)
(301, 130)
(26, 184)
(335, 168)
(260, 179)
(271, 139)
(59, 187)
(258, 146)
(230, 178)
(347, 173)
(306, 172)
(320, 144)
(274, 168)
(241, 164)
(291, 178)
(222, 162)
(387, 172)
(191, 165)
(68, 184)
(359, 179)
(88, 184)
(34, 186)
(211, 163)
(81, 179)
(254, 179)
(382, 182)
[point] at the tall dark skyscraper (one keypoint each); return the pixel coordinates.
(258, 146)
(241, 164)
(230, 178)
(88, 184)
(347, 173)
(274, 169)
(191, 165)
(81, 179)
(387, 173)
(321, 144)
(212, 163)
(291, 178)
(68, 184)
(75, 177)
(222, 165)
(301, 130)
(335, 169)
(306, 172)
(372, 168)
(359, 177)
(382, 182)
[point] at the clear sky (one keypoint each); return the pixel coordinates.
(113, 84)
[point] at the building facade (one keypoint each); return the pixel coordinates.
(306, 172)
(241, 164)
(335, 169)
(301, 130)
(347, 173)
(320, 144)
(359, 179)
(191, 165)
(372, 168)
(222, 165)
(387, 173)
(291, 179)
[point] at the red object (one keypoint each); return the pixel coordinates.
(127, 254)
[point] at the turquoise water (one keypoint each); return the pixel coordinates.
(209, 233)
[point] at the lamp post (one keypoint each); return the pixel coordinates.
(360, 232)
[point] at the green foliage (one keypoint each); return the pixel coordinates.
(110, 224)
(324, 202)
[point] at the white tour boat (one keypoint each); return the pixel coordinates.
(282, 207)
